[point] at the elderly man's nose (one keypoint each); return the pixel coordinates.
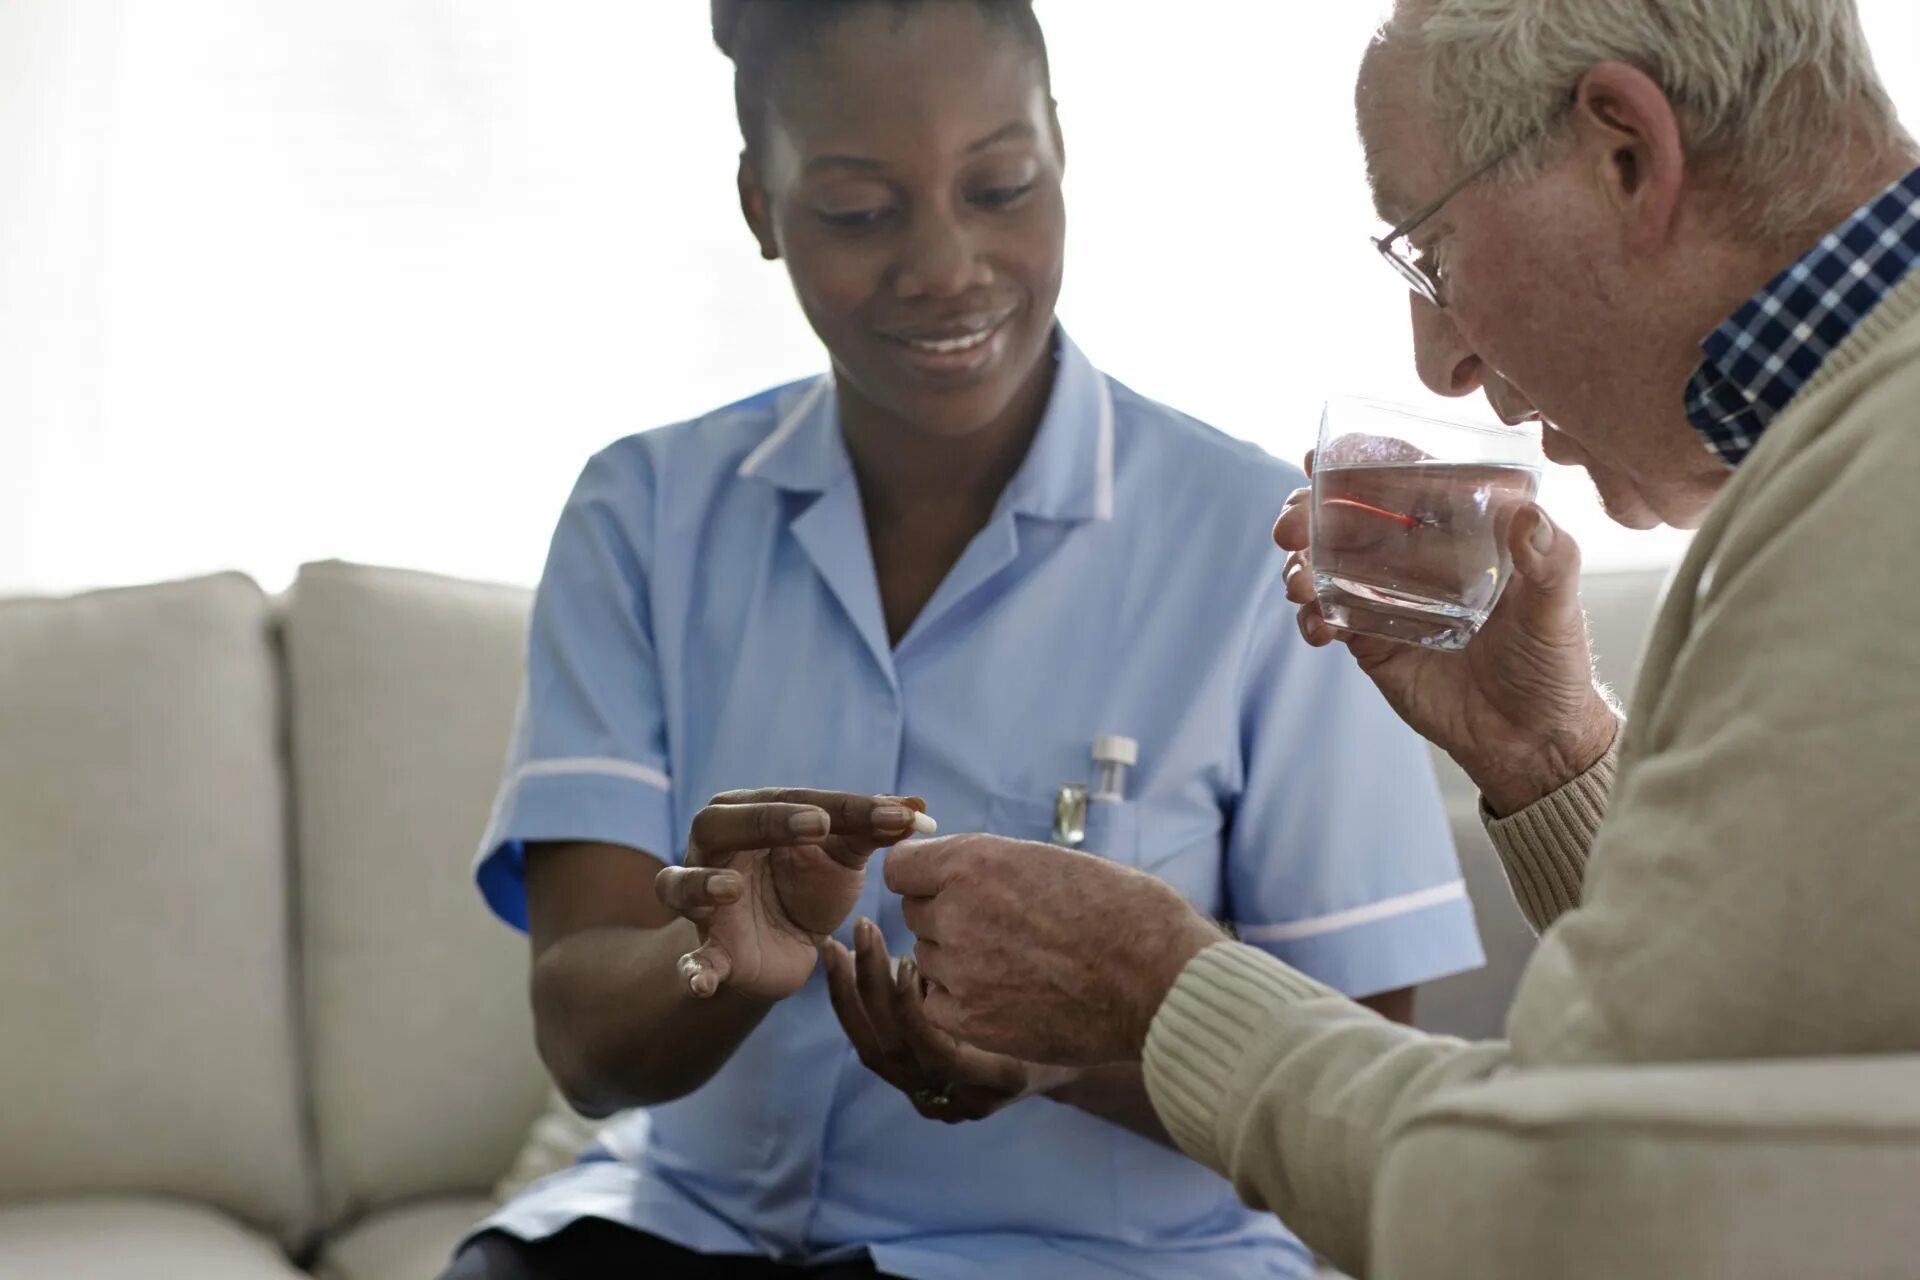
(1446, 363)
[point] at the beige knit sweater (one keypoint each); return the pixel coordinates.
(1753, 884)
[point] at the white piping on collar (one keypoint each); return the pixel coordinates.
(1103, 446)
(1103, 482)
(788, 425)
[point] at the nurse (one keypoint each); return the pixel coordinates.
(941, 571)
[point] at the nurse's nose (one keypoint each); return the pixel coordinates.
(1447, 364)
(940, 260)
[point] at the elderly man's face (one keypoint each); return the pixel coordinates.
(1549, 312)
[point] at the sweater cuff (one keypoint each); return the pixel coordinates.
(1202, 1032)
(1544, 847)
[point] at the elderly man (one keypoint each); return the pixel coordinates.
(1582, 191)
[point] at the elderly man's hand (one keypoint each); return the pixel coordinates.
(1519, 710)
(1041, 953)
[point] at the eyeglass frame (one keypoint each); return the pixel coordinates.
(1396, 248)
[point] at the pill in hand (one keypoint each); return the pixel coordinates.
(924, 825)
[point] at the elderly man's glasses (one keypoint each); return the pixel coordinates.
(1420, 270)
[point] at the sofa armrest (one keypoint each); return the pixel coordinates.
(1716, 1171)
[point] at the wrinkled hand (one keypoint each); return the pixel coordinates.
(1042, 953)
(885, 1019)
(768, 875)
(1519, 709)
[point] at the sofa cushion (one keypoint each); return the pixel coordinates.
(147, 1041)
(412, 1242)
(423, 1068)
(1741, 1171)
(560, 1137)
(133, 1239)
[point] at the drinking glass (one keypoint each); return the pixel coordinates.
(1411, 515)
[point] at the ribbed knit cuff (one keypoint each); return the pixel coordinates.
(1544, 846)
(1203, 1031)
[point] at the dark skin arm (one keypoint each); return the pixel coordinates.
(1394, 1006)
(646, 978)
(613, 1017)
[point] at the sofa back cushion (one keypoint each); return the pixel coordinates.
(423, 1069)
(147, 1038)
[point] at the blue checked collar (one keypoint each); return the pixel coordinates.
(1766, 353)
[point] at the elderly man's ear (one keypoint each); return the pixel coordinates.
(1628, 130)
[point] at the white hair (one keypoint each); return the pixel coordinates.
(1772, 94)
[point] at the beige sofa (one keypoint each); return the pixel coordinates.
(254, 1022)
(252, 1019)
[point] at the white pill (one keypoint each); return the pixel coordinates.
(923, 825)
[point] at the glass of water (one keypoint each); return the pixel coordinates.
(1411, 515)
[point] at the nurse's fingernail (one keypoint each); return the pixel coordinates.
(892, 817)
(725, 888)
(863, 931)
(809, 822)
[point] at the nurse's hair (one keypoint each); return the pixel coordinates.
(758, 35)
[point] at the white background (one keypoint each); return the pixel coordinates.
(284, 280)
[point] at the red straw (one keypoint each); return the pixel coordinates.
(1408, 521)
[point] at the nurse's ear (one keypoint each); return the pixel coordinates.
(753, 207)
(1059, 137)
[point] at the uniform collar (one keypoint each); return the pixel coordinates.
(1067, 474)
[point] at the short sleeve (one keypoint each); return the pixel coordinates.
(589, 758)
(1339, 859)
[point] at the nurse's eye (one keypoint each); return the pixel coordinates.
(1002, 197)
(855, 219)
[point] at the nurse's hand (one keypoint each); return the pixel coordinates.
(1518, 710)
(884, 1018)
(768, 875)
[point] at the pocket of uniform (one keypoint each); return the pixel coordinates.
(1113, 826)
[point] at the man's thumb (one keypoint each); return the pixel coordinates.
(1546, 562)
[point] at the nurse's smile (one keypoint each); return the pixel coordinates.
(958, 349)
